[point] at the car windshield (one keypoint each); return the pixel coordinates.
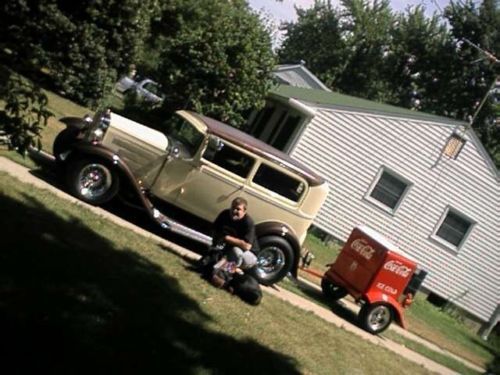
(180, 130)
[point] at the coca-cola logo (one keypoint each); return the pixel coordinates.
(361, 246)
(398, 268)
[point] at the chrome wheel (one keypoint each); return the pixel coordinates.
(274, 260)
(270, 261)
(376, 318)
(94, 181)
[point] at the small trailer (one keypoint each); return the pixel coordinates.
(370, 268)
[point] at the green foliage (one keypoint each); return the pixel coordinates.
(318, 26)
(24, 115)
(214, 57)
(82, 45)
(474, 27)
(366, 29)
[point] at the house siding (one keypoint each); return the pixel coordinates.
(348, 149)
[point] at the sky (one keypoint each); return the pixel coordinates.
(285, 11)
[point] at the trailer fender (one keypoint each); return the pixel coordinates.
(284, 231)
(376, 296)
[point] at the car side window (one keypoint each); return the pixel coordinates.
(230, 159)
(279, 182)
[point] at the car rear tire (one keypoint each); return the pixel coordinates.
(93, 181)
(274, 260)
(375, 318)
(331, 290)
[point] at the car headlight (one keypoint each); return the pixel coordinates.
(97, 135)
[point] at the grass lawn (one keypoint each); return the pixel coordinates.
(79, 293)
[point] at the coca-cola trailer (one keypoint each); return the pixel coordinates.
(370, 269)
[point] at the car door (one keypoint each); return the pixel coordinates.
(219, 177)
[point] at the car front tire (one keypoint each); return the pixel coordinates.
(92, 181)
(274, 260)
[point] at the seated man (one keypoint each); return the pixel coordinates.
(236, 229)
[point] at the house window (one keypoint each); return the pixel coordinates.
(454, 146)
(389, 190)
(286, 132)
(261, 121)
(454, 228)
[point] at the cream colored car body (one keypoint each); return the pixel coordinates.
(202, 187)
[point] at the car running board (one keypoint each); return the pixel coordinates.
(180, 229)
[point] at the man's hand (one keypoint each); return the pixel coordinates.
(242, 244)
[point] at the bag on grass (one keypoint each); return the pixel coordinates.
(246, 287)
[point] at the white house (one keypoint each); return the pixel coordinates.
(426, 182)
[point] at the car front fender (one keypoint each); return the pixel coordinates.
(86, 149)
(75, 122)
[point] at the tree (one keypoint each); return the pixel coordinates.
(476, 31)
(82, 45)
(417, 65)
(214, 57)
(366, 29)
(344, 47)
(25, 112)
(316, 37)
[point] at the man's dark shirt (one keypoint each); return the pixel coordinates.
(243, 229)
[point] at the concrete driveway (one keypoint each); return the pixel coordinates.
(24, 175)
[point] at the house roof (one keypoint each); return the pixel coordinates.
(298, 75)
(351, 103)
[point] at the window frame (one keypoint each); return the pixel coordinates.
(374, 184)
(250, 171)
(276, 196)
(443, 242)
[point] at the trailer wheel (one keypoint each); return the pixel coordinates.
(332, 290)
(274, 260)
(92, 181)
(375, 318)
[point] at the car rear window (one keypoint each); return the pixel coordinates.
(279, 182)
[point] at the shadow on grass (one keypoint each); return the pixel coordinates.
(72, 303)
(337, 307)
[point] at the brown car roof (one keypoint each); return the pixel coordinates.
(258, 147)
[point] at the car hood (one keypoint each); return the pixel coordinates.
(147, 135)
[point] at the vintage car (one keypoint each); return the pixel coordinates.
(199, 165)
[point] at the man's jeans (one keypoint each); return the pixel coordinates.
(242, 259)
